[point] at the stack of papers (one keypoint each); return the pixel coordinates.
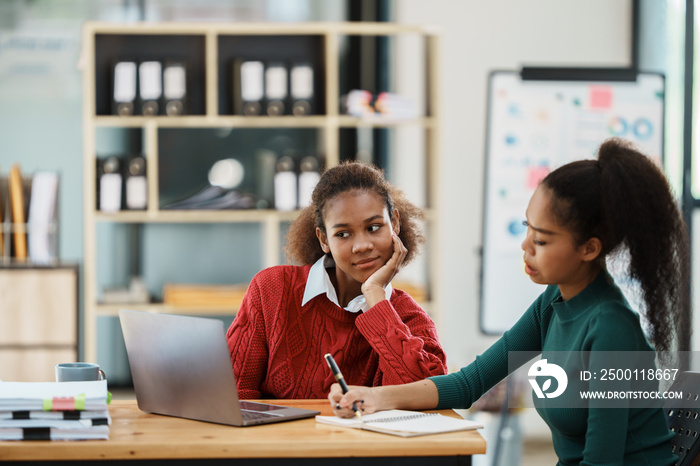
(214, 198)
(54, 410)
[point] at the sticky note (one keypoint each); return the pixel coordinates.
(600, 97)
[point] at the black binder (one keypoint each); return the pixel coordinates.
(124, 88)
(301, 89)
(175, 88)
(110, 184)
(276, 89)
(248, 87)
(135, 184)
(150, 87)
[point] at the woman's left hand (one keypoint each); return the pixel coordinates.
(373, 287)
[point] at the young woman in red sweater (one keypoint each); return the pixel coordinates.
(351, 241)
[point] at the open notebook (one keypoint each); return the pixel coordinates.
(403, 423)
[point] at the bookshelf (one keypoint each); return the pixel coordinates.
(209, 50)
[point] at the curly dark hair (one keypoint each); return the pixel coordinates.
(302, 245)
(624, 199)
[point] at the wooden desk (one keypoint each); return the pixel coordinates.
(135, 435)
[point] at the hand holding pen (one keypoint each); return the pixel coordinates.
(341, 380)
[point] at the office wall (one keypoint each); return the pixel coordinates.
(41, 119)
(478, 37)
(40, 108)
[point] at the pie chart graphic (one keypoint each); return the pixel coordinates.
(617, 126)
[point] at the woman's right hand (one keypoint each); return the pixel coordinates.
(365, 398)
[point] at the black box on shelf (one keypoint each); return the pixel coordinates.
(124, 87)
(150, 88)
(276, 88)
(248, 87)
(302, 89)
(281, 53)
(175, 88)
(166, 50)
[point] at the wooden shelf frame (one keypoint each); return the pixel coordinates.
(329, 124)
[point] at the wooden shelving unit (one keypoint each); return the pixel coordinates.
(218, 42)
(40, 320)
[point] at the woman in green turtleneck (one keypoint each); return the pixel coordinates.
(580, 214)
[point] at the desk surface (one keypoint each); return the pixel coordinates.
(136, 435)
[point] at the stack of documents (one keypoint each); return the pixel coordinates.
(214, 198)
(54, 410)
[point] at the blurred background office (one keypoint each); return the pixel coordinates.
(41, 120)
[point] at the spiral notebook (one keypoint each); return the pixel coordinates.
(403, 423)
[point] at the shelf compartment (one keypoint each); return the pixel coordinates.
(160, 254)
(185, 157)
(113, 48)
(286, 49)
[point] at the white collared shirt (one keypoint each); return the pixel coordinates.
(318, 282)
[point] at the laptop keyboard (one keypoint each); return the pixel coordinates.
(253, 406)
(251, 410)
(252, 415)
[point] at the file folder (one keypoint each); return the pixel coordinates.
(135, 185)
(276, 87)
(265, 168)
(285, 185)
(124, 88)
(6, 222)
(175, 88)
(42, 217)
(150, 87)
(111, 185)
(248, 87)
(18, 218)
(301, 84)
(308, 179)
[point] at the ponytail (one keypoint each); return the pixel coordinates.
(624, 199)
(640, 211)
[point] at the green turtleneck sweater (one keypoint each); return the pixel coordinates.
(597, 320)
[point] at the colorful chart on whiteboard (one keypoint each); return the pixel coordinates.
(534, 126)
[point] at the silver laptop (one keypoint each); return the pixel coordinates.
(181, 366)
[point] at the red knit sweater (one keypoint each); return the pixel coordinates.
(277, 345)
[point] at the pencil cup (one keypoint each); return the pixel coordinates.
(78, 371)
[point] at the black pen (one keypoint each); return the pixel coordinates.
(341, 380)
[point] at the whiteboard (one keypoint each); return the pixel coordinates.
(534, 126)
